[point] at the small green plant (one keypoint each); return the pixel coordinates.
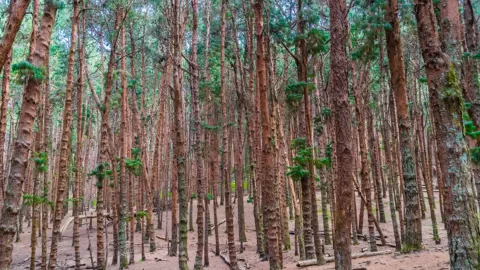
(411, 248)
(141, 214)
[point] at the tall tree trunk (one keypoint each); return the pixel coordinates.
(3, 117)
(179, 156)
(123, 183)
(46, 149)
(79, 154)
(267, 174)
(460, 205)
(413, 230)
(65, 140)
(196, 144)
(470, 75)
(238, 68)
(24, 139)
(225, 153)
(40, 167)
(253, 118)
(342, 127)
(104, 140)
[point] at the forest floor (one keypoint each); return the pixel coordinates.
(432, 257)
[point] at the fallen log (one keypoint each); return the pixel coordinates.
(354, 256)
(212, 226)
(163, 238)
(73, 266)
(226, 259)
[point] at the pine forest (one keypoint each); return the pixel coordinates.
(240, 134)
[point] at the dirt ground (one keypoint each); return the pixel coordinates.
(432, 257)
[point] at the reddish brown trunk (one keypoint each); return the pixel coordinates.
(17, 13)
(267, 174)
(342, 127)
(24, 139)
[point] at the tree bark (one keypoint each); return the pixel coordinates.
(15, 18)
(24, 139)
(342, 127)
(104, 140)
(267, 174)
(460, 205)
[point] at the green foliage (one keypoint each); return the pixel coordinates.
(208, 127)
(100, 172)
(134, 165)
(304, 156)
(316, 41)
(294, 92)
(250, 199)
(25, 70)
(411, 248)
(40, 159)
(209, 196)
(141, 214)
(194, 196)
(475, 155)
(29, 199)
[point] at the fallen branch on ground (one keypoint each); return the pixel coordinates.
(354, 256)
(226, 259)
(163, 238)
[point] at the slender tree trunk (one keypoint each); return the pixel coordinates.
(123, 183)
(238, 68)
(196, 144)
(104, 141)
(179, 148)
(79, 154)
(225, 153)
(413, 233)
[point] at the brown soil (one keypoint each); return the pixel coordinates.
(432, 257)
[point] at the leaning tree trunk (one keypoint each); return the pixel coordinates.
(17, 13)
(460, 204)
(24, 139)
(342, 126)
